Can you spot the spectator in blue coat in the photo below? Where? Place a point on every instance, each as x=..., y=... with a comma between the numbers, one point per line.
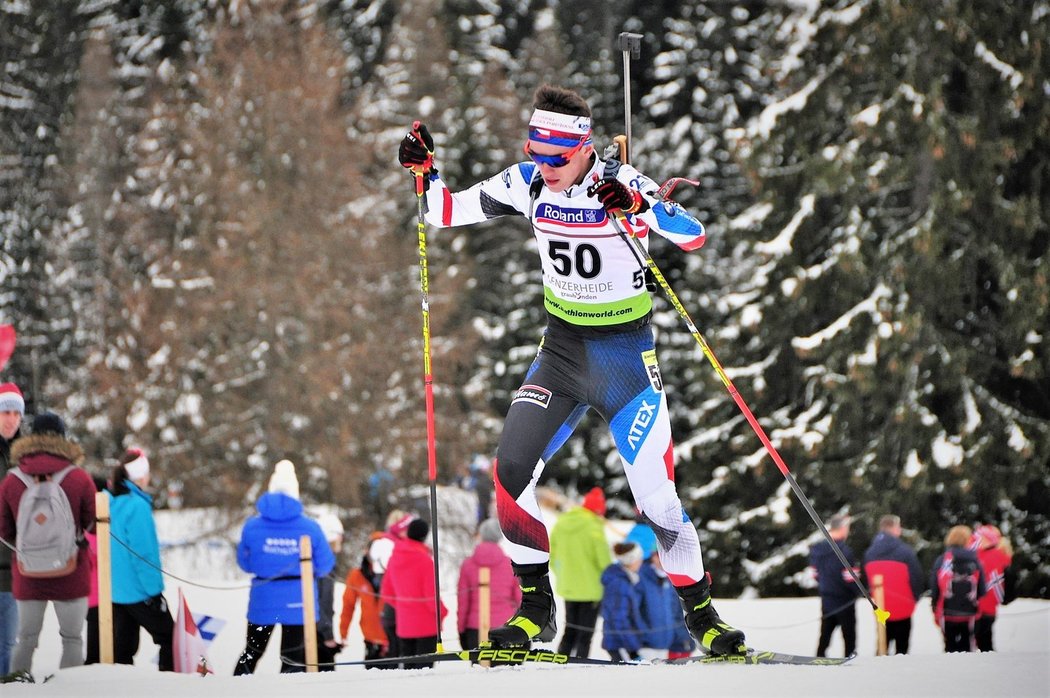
x=621, y=603
x=838, y=591
x=661, y=610
x=269, y=549
x=138, y=583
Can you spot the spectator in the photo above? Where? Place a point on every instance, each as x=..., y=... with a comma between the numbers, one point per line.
x=479, y=481
x=621, y=603
x=956, y=583
x=661, y=611
x=642, y=534
x=903, y=581
x=91, y=655
x=379, y=553
x=328, y=645
x=579, y=554
x=504, y=592
x=44, y=454
x=838, y=591
x=362, y=585
x=269, y=550
x=138, y=582
x=408, y=586
x=12, y=409
x=995, y=555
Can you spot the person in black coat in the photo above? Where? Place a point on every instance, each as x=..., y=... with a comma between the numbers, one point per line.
x=838, y=591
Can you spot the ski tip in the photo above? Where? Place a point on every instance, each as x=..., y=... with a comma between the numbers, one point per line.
x=882, y=616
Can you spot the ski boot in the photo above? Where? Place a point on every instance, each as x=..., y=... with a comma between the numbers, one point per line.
x=714, y=636
x=534, y=619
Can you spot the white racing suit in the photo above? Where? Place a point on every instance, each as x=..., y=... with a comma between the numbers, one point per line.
x=597, y=351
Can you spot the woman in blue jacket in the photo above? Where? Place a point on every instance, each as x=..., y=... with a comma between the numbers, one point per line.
x=269, y=549
x=138, y=584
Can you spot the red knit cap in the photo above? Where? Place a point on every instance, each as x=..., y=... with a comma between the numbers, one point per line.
x=595, y=501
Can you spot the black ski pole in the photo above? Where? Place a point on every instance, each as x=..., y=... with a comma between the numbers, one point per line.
x=623, y=227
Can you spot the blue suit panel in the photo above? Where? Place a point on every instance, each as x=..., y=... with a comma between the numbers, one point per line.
x=269, y=549
x=135, y=554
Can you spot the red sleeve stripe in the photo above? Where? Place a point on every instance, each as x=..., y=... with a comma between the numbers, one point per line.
x=446, y=207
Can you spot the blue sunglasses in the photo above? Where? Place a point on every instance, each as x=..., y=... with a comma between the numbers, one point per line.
x=556, y=160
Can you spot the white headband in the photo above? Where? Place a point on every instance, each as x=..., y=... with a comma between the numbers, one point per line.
x=565, y=123
x=137, y=469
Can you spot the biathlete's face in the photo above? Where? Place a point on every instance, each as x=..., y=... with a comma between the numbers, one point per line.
x=561, y=167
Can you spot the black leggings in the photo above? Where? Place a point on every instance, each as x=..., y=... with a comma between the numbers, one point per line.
x=580, y=619
x=293, y=649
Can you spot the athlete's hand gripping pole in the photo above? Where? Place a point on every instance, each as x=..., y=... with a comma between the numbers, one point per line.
x=619, y=220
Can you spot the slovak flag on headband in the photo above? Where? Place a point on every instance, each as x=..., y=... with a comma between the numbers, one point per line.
x=188, y=647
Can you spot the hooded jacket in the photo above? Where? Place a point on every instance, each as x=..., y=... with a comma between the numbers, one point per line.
x=269, y=549
x=621, y=611
x=408, y=586
x=135, y=553
x=504, y=592
x=661, y=612
x=903, y=580
x=46, y=454
x=579, y=555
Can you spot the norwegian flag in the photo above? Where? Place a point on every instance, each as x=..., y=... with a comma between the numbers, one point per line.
x=189, y=648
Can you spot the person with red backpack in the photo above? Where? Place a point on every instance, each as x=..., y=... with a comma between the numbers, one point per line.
x=46, y=458
x=903, y=581
x=995, y=554
x=956, y=583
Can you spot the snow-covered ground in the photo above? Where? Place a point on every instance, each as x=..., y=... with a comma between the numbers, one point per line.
x=1020, y=667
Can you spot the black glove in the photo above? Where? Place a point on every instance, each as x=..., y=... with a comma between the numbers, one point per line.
x=417, y=150
x=617, y=196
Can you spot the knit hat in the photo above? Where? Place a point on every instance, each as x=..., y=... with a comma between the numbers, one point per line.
x=490, y=531
x=284, y=480
x=11, y=399
x=49, y=423
x=987, y=536
x=136, y=465
x=399, y=526
x=595, y=501
x=627, y=553
x=331, y=526
x=418, y=530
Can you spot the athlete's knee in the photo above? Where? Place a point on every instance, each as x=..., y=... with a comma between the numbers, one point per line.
x=512, y=475
x=662, y=505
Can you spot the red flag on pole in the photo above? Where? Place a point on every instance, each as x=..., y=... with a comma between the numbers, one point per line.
x=7, y=343
x=190, y=651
